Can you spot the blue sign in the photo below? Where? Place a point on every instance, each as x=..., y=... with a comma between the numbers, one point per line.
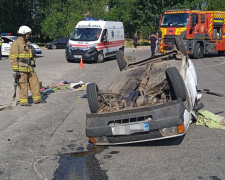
x=146, y=126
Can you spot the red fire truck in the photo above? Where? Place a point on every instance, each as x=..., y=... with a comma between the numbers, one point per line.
x=202, y=31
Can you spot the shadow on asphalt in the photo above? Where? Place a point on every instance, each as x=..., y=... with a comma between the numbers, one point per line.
x=163, y=142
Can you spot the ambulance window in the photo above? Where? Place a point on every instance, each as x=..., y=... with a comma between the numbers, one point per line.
x=105, y=33
x=202, y=18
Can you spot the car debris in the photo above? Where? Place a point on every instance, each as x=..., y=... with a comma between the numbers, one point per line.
x=209, y=119
x=150, y=99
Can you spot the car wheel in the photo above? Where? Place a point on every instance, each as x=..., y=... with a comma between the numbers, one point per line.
x=197, y=51
x=92, y=90
x=180, y=44
x=54, y=47
x=120, y=60
x=100, y=57
x=176, y=83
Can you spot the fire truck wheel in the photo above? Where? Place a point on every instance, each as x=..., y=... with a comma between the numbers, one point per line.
x=198, y=51
x=120, y=60
x=92, y=90
x=221, y=53
x=100, y=57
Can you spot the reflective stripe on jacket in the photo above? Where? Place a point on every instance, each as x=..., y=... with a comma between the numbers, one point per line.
x=20, y=49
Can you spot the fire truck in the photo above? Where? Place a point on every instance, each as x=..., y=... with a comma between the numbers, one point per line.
x=202, y=31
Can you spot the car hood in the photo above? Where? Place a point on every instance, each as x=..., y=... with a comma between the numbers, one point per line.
x=34, y=45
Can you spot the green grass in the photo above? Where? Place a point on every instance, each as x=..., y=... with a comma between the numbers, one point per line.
x=141, y=42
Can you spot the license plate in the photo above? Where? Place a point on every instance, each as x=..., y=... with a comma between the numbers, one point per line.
x=77, y=56
x=130, y=129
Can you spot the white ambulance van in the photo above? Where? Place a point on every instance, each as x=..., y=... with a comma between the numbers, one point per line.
x=94, y=40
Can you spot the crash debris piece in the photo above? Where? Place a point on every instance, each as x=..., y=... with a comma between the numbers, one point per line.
x=209, y=119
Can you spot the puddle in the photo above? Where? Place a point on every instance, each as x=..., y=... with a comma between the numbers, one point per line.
x=80, y=165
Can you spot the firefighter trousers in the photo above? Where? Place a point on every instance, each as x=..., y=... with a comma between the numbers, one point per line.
x=29, y=80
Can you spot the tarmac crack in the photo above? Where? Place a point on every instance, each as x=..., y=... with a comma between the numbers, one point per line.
x=61, y=122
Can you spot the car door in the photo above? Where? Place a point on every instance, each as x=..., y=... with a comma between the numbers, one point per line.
x=65, y=41
x=60, y=43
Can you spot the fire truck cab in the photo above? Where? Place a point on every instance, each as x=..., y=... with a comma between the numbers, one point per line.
x=203, y=31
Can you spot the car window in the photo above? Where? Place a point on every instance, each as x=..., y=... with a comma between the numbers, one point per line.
x=6, y=40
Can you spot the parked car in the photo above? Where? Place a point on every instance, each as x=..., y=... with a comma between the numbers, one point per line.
x=58, y=43
x=151, y=99
x=8, y=42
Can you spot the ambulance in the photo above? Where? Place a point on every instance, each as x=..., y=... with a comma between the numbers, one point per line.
x=94, y=40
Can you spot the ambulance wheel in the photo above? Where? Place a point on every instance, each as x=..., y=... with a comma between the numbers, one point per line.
x=92, y=90
x=221, y=53
x=54, y=47
x=176, y=83
x=69, y=60
x=100, y=57
x=120, y=60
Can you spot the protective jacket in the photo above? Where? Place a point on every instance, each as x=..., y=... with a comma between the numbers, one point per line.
x=21, y=57
x=22, y=60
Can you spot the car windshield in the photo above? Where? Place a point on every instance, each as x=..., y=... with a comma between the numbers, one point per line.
x=175, y=20
x=86, y=34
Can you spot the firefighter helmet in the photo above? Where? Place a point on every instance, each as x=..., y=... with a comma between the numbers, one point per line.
x=24, y=30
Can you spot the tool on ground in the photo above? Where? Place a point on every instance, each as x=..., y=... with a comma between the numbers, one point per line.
x=15, y=84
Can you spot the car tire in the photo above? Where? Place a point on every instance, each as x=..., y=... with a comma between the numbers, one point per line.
x=54, y=46
x=197, y=51
x=176, y=83
x=180, y=44
x=100, y=57
x=92, y=90
x=120, y=60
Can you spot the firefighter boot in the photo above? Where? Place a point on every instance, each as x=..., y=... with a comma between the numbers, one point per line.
x=40, y=102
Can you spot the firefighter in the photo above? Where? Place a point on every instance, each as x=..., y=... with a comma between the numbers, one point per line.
x=23, y=62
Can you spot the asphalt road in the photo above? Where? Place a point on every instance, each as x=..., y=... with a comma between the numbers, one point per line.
x=47, y=141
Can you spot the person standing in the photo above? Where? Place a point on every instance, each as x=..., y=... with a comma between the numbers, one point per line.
x=135, y=42
x=23, y=62
x=153, y=41
x=1, y=41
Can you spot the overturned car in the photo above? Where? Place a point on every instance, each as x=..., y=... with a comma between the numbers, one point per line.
x=151, y=99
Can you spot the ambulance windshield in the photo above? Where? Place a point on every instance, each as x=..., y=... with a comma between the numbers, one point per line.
x=86, y=34
x=175, y=20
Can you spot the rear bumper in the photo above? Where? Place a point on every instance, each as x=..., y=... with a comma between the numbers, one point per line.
x=135, y=125
x=38, y=51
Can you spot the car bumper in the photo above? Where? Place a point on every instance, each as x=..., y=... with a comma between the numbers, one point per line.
x=137, y=125
x=76, y=54
x=38, y=51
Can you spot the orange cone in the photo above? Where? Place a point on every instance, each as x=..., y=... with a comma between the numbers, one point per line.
x=143, y=49
x=81, y=63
